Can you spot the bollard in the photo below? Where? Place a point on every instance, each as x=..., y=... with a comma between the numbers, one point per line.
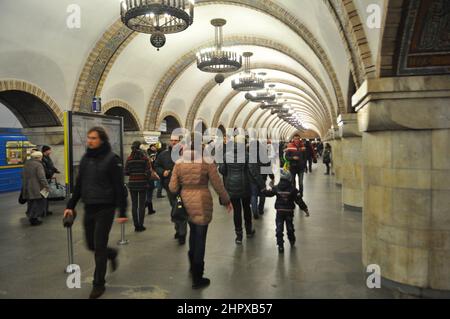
x=69, y=248
x=122, y=240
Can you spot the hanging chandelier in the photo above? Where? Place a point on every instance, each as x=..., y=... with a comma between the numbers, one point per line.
x=262, y=96
x=281, y=110
x=247, y=80
x=218, y=59
x=157, y=17
x=275, y=104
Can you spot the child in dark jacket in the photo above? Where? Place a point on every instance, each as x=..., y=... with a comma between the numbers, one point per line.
x=287, y=196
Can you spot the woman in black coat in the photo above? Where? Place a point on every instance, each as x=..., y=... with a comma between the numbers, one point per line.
x=238, y=174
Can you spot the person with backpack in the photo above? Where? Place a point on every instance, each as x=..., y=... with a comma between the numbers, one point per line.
x=139, y=170
x=327, y=157
x=287, y=196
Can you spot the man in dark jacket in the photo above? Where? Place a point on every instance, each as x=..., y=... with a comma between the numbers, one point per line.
x=310, y=156
x=159, y=183
x=100, y=185
x=296, y=155
x=287, y=196
x=164, y=166
x=238, y=175
x=49, y=168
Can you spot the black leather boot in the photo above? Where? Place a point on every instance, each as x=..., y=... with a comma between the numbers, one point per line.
x=97, y=292
x=151, y=211
x=238, y=239
x=198, y=281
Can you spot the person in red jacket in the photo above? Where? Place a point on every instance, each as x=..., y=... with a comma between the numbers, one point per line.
x=296, y=155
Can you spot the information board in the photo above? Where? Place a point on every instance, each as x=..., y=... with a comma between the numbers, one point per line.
x=77, y=125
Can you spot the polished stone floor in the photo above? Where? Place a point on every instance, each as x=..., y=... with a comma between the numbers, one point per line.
x=326, y=263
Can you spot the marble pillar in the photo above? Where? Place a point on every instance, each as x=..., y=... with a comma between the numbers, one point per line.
x=336, y=147
x=351, y=164
x=405, y=125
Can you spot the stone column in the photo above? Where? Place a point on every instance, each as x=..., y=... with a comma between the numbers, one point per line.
x=336, y=147
x=406, y=181
x=351, y=165
x=53, y=137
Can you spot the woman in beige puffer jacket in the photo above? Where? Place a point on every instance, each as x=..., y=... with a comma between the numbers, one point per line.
x=193, y=178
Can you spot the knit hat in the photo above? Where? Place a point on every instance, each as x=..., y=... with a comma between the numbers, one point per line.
x=136, y=145
x=45, y=148
x=36, y=155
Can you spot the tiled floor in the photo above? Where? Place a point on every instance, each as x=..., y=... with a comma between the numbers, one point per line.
x=325, y=264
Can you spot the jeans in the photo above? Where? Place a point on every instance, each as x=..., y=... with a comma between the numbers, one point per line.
x=150, y=190
x=288, y=219
x=238, y=205
x=300, y=174
x=138, y=199
x=197, y=242
x=254, y=201
x=180, y=225
x=98, y=220
x=310, y=161
x=159, y=185
x=328, y=168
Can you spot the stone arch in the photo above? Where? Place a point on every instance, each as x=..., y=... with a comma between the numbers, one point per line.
x=171, y=114
x=389, y=37
x=315, y=110
x=318, y=99
x=223, y=105
x=222, y=128
x=122, y=108
x=118, y=36
x=354, y=37
x=166, y=83
x=42, y=110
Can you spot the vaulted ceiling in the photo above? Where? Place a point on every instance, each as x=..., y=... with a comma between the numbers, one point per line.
x=300, y=44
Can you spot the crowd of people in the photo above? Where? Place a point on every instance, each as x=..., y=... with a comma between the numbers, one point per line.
x=38, y=173
x=241, y=180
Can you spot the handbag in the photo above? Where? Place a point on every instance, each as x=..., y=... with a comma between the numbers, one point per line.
x=57, y=192
x=179, y=212
x=22, y=200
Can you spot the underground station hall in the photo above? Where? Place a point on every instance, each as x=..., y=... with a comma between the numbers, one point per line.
x=225, y=150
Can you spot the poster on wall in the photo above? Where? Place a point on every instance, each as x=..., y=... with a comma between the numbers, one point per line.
x=76, y=126
x=163, y=126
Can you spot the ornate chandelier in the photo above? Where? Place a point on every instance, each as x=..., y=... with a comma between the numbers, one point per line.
x=218, y=59
x=275, y=104
x=157, y=17
x=264, y=96
x=247, y=80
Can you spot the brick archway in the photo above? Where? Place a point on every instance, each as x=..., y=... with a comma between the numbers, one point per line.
x=124, y=105
x=50, y=113
x=330, y=114
x=117, y=37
